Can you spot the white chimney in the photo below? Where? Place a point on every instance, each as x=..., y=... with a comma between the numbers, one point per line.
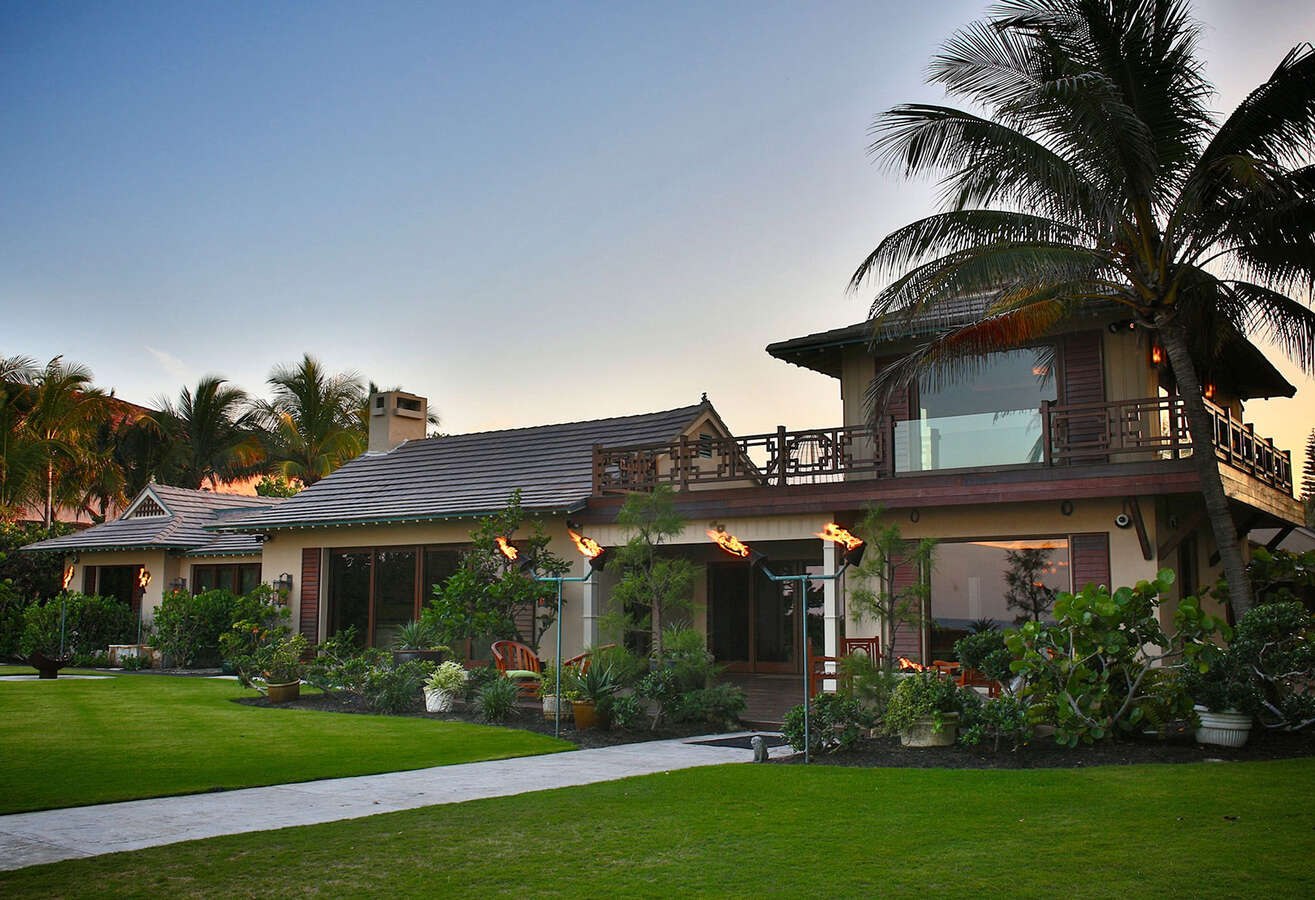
x=396, y=416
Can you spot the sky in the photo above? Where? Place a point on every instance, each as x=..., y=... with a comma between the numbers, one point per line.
x=527, y=213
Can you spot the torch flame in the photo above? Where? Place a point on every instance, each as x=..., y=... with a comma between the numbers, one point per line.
x=908, y=665
x=68, y=577
x=833, y=532
x=586, y=545
x=507, y=549
x=143, y=578
x=729, y=542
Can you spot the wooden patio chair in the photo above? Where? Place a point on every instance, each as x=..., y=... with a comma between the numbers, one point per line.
x=817, y=672
x=972, y=678
x=518, y=662
x=869, y=645
x=946, y=667
x=584, y=660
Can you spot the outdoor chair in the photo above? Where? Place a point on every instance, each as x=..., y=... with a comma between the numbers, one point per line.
x=518, y=662
x=869, y=645
x=817, y=672
x=584, y=660
x=972, y=678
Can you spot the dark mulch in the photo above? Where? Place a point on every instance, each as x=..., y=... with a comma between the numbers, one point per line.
x=1046, y=754
x=524, y=718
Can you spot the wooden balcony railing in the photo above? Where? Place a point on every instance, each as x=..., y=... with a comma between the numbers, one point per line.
x=1073, y=434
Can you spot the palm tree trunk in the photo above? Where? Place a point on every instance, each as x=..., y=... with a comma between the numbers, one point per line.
x=50, y=491
x=1202, y=427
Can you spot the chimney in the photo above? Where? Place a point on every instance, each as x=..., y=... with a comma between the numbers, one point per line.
x=396, y=416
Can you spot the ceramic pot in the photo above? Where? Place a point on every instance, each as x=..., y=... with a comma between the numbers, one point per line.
x=585, y=714
x=439, y=701
x=923, y=732
x=283, y=693
x=1229, y=728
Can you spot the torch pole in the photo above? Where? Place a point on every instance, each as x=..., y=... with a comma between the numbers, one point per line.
x=559, y=580
x=802, y=580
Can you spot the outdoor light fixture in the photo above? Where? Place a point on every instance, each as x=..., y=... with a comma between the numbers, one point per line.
x=178, y=584
x=853, y=553
x=1209, y=391
x=591, y=550
x=284, y=582
x=1157, y=354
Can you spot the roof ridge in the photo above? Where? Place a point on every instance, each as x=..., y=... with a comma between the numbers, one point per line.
x=660, y=412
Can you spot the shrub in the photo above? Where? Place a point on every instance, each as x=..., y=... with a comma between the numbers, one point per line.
x=986, y=652
x=922, y=695
x=448, y=678
x=1267, y=670
x=12, y=607
x=998, y=720
x=33, y=575
x=98, y=660
x=624, y=712
x=1106, y=665
x=189, y=627
x=395, y=687
x=685, y=666
x=719, y=705
x=497, y=699
x=868, y=682
x=370, y=675
x=90, y=625
x=477, y=679
x=275, y=661
x=836, y=722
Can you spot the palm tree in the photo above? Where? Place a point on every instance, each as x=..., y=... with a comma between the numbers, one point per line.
x=312, y=419
x=63, y=414
x=211, y=434
x=1098, y=175
x=20, y=456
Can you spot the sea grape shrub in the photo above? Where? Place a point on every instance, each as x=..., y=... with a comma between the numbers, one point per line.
x=1106, y=666
x=88, y=624
x=836, y=722
x=924, y=695
x=999, y=721
x=1275, y=645
x=986, y=652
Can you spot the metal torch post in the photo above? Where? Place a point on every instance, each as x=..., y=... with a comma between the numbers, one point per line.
x=802, y=580
x=559, y=580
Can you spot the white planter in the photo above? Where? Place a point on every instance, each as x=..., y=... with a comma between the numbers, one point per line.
x=550, y=708
x=924, y=733
x=1224, y=729
x=439, y=701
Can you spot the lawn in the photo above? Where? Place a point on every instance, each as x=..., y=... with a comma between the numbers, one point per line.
x=1199, y=830
x=74, y=742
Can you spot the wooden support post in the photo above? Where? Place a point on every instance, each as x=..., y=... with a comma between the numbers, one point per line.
x=1045, y=434
x=782, y=456
x=684, y=462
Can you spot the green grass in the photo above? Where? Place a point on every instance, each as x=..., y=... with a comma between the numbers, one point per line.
x=76, y=742
x=1201, y=830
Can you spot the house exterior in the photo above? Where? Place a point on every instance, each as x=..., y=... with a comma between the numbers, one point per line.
x=1075, y=447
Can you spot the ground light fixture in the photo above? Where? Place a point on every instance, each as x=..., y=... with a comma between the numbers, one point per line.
x=591, y=550
x=854, y=548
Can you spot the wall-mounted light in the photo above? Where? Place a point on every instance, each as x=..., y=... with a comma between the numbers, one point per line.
x=1209, y=391
x=178, y=584
x=1157, y=354
x=284, y=582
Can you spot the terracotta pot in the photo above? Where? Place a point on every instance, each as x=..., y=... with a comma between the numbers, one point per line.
x=923, y=733
x=283, y=693
x=585, y=714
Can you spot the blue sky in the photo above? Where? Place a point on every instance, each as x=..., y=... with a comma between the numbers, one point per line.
x=528, y=213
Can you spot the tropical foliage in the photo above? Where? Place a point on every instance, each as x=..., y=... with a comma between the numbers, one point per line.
x=1099, y=178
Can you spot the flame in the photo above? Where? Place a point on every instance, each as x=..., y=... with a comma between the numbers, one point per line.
x=833, y=532
x=68, y=577
x=507, y=549
x=909, y=665
x=1157, y=354
x=588, y=546
x=729, y=542
x=1209, y=391
x=143, y=578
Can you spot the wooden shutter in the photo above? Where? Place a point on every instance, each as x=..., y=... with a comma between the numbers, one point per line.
x=908, y=640
x=1090, y=557
x=1084, y=382
x=89, y=581
x=310, y=594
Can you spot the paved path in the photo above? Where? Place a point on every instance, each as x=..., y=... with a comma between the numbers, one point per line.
x=39, y=837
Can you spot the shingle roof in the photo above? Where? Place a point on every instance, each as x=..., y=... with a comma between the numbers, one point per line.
x=465, y=475
x=182, y=529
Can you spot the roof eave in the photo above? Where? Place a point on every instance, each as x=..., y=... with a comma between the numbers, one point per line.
x=262, y=527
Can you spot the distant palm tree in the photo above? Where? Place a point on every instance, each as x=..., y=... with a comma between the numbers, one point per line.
x=64, y=410
x=1099, y=176
x=20, y=455
x=211, y=434
x=312, y=420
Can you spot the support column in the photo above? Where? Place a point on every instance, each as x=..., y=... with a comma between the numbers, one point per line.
x=830, y=607
x=590, y=604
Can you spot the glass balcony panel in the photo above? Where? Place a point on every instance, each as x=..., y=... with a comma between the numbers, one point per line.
x=1007, y=437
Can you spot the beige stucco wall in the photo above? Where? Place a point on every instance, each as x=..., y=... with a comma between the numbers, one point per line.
x=162, y=567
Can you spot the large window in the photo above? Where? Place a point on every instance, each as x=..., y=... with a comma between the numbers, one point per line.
x=377, y=590
x=989, y=417
x=239, y=578
x=993, y=583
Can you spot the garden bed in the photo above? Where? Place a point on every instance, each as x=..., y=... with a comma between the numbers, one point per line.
x=1046, y=754
x=525, y=719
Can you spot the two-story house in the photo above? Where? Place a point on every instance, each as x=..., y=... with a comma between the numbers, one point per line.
x=1075, y=447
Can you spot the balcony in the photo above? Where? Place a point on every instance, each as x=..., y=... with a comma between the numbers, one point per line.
x=1051, y=436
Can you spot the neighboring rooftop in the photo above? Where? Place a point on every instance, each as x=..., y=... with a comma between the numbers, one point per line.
x=465, y=475
x=171, y=518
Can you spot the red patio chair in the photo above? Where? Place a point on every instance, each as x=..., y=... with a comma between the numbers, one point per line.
x=869, y=645
x=518, y=662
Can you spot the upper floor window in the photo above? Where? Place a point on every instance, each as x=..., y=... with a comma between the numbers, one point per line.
x=989, y=416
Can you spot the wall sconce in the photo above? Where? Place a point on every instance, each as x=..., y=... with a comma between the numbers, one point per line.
x=1209, y=391
x=284, y=582
x=1157, y=354
x=178, y=584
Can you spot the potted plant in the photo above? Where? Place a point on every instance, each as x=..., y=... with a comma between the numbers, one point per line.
x=1226, y=699
x=548, y=691
x=924, y=708
x=275, y=667
x=444, y=686
x=591, y=686
x=417, y=640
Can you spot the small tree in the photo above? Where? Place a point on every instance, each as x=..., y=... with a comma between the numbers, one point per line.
x=871, y=594
x=1026, y=592
x=653, y=586
x=483, y=597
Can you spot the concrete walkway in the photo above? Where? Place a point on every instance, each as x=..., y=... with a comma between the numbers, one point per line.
x=27, y=839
